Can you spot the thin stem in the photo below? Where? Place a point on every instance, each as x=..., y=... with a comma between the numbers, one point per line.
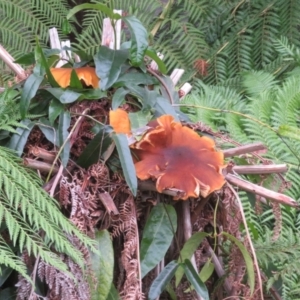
x=249, y=239
x=164, y=85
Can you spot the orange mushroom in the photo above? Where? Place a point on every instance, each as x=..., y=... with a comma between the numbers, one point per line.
x=179, y=158
x=119, y=121
x=87, y=74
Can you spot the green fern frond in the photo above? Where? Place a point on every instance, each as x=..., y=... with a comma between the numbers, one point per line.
x=9, y=259
x=27, y=210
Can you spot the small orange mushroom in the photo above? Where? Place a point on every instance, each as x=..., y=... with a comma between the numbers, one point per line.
x=87, y=74
x=119, y=121
x=179, y=158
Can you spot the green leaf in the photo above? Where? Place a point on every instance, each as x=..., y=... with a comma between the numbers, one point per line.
x=108, y=65
x=118, y=98
x=64, y=96
x=19, y=139
x=195, y=280
x=95, y=149
x=104, y=8
x=161, y=281
x=49, y=131
x=190, y=246
x=207, y=271
x=30, y=88
x=139, y=39
x=103, y=266
x=41, y=59
x=74, y=81
x=157, y=236
x=172, y=294
x=247, y=258
x=55, y=109
x=167, y=89
x=289, y=131
x=92, y=94
x=152, y=54
x=136, y=78
x=163, y=107
x=63, y=126
x=139, y=119
x=8, y=294
x=126, y=161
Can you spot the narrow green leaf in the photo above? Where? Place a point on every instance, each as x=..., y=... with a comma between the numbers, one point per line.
x=30, y=88
x=136, y=78
x=247, y=258
x=157, y=236
x=92, y=94
x=152, y=54
x=95, y=149
x=55, y=109
x=190, y=246
x=49, y=130
x=108, y=65
x=41, y=59
x=139, y=119
x=99, y=6
x=207, y=271
x=118, y=98
x=63, y=126
x=8, y=294
x=172, y=294
x=126, y=161
x=75, y=81
x=19, y=139
x=103, y=265
x=64, y=96
x=195, y=280
x=162, y=280
x=289, y=131
x=163, y=107
x=139, y=39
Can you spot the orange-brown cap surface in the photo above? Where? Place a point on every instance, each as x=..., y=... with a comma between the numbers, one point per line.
x=179, y=158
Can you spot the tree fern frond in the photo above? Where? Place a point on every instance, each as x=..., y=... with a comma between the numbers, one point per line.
x=9, y=259
x=257, y=82
x=27, y=209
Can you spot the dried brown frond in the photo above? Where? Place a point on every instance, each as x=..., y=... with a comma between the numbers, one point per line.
x=128, y=228
x=61, y=286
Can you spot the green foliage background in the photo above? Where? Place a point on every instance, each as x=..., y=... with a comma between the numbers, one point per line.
x=252, y=48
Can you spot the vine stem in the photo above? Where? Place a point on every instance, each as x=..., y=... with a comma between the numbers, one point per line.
x=249, y=239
